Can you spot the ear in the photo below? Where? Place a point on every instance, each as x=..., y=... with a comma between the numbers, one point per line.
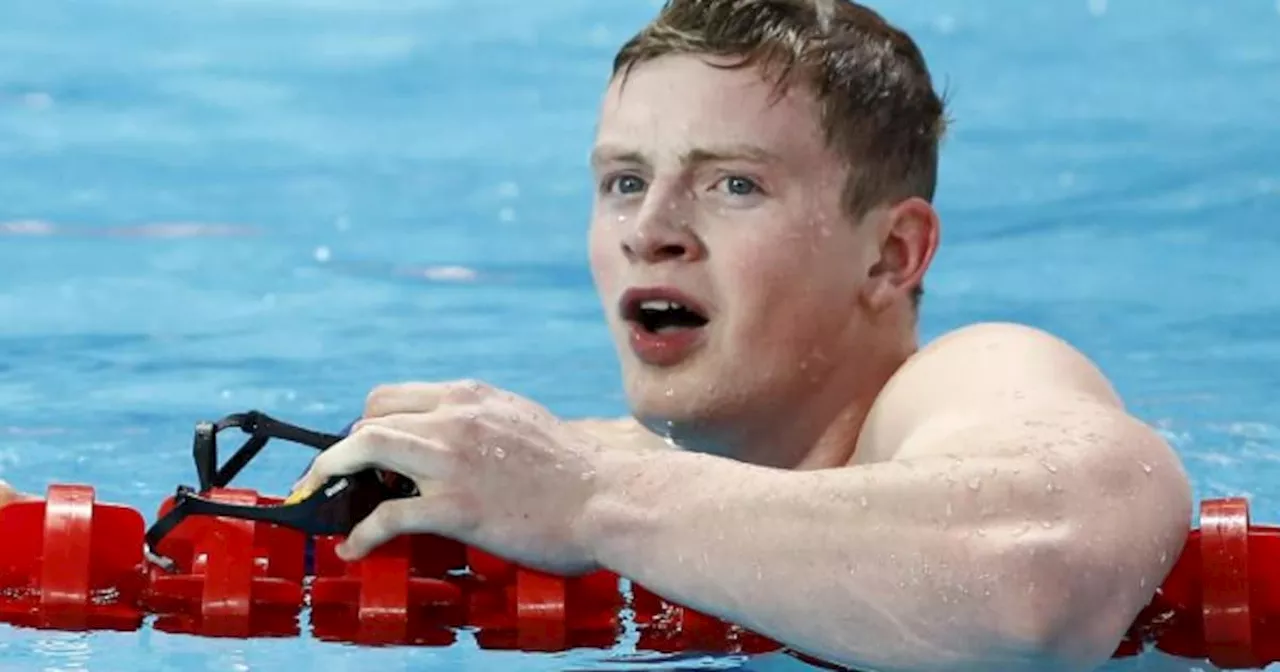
x=908, y=238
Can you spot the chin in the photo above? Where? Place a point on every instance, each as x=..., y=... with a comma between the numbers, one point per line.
x=693, y=413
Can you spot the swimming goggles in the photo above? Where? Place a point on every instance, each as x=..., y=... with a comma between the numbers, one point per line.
x=332, y=509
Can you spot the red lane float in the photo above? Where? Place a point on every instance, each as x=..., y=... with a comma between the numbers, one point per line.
x=232, y=578
x=1221, y=600
x=396, y=595
x=70, y=562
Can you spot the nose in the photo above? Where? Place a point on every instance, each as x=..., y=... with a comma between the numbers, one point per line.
x=656, y=237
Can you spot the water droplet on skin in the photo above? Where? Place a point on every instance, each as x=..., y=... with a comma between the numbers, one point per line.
x=863, y=501
x=1021, y=530
x=1046, y=524
x=1146, y=468
x=499, y=453
x=1049, y=466
x=1164, y=557
x=948, y=509
x=975, y=484
x=670, y=392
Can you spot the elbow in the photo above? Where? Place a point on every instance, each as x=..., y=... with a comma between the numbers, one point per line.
x=1058, y=617
x=1078, y=589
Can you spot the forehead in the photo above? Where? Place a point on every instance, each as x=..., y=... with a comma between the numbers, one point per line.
x=679, y=102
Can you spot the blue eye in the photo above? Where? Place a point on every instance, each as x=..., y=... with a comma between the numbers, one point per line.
x=624, y=184
x=740, y=186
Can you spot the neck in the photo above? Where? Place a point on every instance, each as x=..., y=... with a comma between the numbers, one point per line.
x=817, y=427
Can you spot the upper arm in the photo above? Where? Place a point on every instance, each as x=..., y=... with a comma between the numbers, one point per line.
x=1116, y=484
x=974, y=376
x=1013, y=390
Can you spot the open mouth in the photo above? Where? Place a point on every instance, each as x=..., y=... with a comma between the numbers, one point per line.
x=663, y=315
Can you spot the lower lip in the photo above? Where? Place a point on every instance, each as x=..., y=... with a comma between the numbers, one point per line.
x=664, y=349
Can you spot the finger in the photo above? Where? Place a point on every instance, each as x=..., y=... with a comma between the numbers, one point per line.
x=377, y=447
x=451, y=424
x=418, y=424
x=430, y=512
x=420, y=397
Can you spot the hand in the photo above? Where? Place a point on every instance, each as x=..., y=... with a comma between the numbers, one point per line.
x=8, y=495
x=494, y=470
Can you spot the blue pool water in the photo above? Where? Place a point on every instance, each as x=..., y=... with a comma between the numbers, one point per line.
x=277, y=204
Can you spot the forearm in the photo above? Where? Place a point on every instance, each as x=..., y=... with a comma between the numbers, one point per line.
x=936, y=564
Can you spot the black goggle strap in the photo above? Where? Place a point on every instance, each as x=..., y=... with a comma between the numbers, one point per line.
x=320, y=513
x=261, y=428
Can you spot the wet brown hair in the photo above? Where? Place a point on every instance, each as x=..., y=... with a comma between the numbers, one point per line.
x=876, y=98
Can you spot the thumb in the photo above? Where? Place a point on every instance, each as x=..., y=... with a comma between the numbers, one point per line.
x=423, y=513
x=389, y=520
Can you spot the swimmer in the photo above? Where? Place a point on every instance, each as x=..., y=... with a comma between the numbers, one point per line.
x=795, y=461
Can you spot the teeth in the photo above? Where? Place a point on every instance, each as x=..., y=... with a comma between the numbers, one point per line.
x=658, y=304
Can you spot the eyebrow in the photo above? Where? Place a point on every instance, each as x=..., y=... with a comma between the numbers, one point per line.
x=699, y=155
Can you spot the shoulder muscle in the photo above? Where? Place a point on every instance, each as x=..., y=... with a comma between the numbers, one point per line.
x=975, y=376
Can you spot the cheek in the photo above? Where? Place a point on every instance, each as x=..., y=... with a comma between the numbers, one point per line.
x=789, y=293
x=602, y=255
x=771, y=274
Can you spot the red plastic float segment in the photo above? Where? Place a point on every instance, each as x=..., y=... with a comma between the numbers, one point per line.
x=70, y=562
x=233, y=577
x=668, y=627
x=1221, y=600
x=521, y=608
x=1224, y=558
x=1264, y=580
x=398, y=594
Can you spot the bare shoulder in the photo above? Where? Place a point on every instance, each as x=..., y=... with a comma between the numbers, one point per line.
x=984, y=376
x=1012, y=394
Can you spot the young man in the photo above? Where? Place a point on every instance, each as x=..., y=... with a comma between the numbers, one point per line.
x=796, y=464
